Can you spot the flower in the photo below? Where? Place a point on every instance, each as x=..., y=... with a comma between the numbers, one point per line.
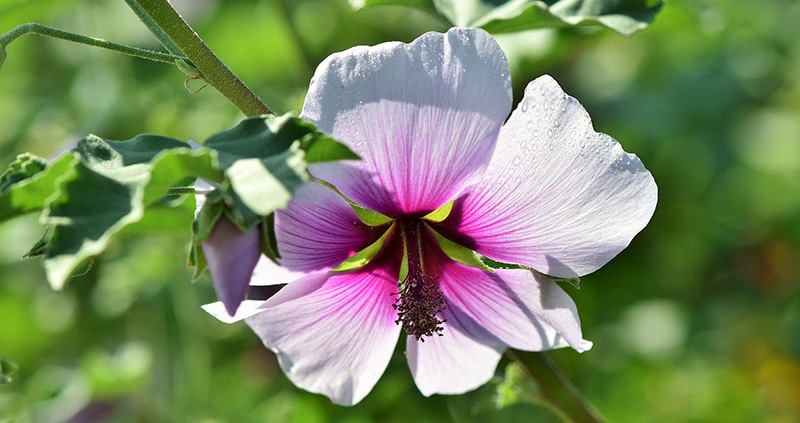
x=450, y=183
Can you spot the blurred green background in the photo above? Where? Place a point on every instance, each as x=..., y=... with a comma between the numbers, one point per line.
x=698, y=321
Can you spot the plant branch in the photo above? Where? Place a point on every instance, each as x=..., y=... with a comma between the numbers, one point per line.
x=36, y=28
x=163, y=38
x=556, y=389
x=211, y=69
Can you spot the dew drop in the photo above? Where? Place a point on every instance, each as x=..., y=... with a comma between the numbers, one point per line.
x=524, y=106
x=516, y=161
x=529, y=125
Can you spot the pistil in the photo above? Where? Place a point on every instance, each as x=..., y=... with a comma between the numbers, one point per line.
x=419, y=299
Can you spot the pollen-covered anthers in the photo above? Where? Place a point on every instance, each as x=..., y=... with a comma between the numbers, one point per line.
x=418, y=303
x=419, y=300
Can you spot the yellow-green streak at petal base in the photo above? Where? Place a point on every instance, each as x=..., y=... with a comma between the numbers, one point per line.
x=369, y=217
x=361, y=258
x=460, y=253
x=441, y=213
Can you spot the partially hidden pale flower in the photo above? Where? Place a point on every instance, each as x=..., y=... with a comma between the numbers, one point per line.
x=453, y=184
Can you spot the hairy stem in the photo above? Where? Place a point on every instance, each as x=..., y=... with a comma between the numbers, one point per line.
x=556, y=389
x=36, y=28
x=162, y=36
x=211, y=69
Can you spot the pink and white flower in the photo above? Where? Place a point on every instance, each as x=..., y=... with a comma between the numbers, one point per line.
x=541, y=190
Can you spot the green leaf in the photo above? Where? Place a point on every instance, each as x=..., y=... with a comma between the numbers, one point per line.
x=510, y=396
x=104, y=189
x=25, y=166
x=112, y=186
x=265, y=161
x=27, y=184
x=322, y=148
x=623, y=16
x=7, y=368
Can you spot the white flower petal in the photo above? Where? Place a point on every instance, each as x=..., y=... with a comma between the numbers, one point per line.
x=521, y=308
x=558, y=196
x=462, y=359
x=423, y=117
x=333, y=333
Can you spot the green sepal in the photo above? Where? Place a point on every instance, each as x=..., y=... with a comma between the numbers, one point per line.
x=460, y=253
x=202, y=226
x=500, y=265
x=363, y=257
x=370, y=217
x=440, y=214
x=574, y=282
x=269, y=242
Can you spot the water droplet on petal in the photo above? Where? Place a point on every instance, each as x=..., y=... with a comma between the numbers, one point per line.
x=529, y=125
x=524, y=106
x=517, y=160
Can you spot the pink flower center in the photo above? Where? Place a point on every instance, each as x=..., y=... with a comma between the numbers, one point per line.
x=419, y=299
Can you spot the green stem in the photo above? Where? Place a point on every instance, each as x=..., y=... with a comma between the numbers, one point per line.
x=211, y=69
x=163, y=38
x=182, y=191
x=556, y=389
x=35, y=28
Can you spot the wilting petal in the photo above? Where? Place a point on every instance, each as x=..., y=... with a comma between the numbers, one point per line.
x=462, y=359
x=231, y=255
x=423, y=117
x=267, y=277
x=319, y=230
x=558, y=196
x=333, y=333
